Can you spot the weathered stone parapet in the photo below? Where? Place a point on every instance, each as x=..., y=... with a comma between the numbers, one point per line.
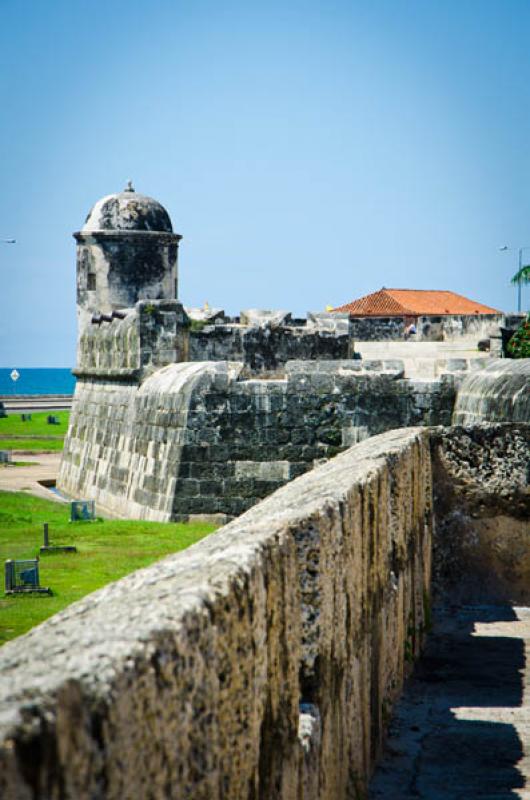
x=264, y=341
x=126, y=251
x=260, y=663
x=134, y=341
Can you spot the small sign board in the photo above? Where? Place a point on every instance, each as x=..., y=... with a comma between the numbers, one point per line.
x=22, y=576
x=82, y=510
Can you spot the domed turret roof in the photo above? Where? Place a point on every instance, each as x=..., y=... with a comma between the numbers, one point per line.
x=128, y=211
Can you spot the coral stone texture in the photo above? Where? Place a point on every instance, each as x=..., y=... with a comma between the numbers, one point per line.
x=482, y=502
x=429, y=327
x=260, y=663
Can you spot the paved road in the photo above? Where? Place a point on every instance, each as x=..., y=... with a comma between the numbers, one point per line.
x=40, y=402
x=45, y=467
x=462, y=729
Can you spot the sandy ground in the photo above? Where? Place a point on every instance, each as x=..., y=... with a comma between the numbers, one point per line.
x=462, y=727
x=45, y=466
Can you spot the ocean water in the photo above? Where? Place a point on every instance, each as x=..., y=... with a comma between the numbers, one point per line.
x=37, y=381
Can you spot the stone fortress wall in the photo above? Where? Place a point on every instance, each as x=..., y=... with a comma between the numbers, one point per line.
x=263, y=662
x=200, y=438
x=179, y=413
x=259, y=663
x=133, y=341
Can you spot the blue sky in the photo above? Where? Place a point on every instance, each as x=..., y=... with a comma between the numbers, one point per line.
x=308, y=152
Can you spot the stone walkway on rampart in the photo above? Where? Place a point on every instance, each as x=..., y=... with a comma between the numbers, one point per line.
x=462, y=728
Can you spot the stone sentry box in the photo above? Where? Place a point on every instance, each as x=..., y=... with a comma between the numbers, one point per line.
x=130, y=321
x=126, y=251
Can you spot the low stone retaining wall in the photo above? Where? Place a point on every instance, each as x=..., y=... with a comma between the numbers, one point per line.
x=260, y=663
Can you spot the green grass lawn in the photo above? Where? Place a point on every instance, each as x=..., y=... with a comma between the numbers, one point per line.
x=35, y=445
x=37, y=426
x=107, y=550
x=12, y=425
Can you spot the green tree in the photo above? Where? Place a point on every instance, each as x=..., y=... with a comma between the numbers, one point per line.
x=519, y=344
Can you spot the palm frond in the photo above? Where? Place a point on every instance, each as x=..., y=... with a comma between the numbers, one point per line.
x=523, y=276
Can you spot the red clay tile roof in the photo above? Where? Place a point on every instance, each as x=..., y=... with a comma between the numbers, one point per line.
x=413, y=303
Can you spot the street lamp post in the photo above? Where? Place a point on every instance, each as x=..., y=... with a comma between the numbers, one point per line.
x=519, y=271
x=519, y=281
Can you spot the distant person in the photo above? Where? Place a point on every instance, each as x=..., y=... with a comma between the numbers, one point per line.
x=410, y=330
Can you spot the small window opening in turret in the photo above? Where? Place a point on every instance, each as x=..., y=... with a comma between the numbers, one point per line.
x=91, y=284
